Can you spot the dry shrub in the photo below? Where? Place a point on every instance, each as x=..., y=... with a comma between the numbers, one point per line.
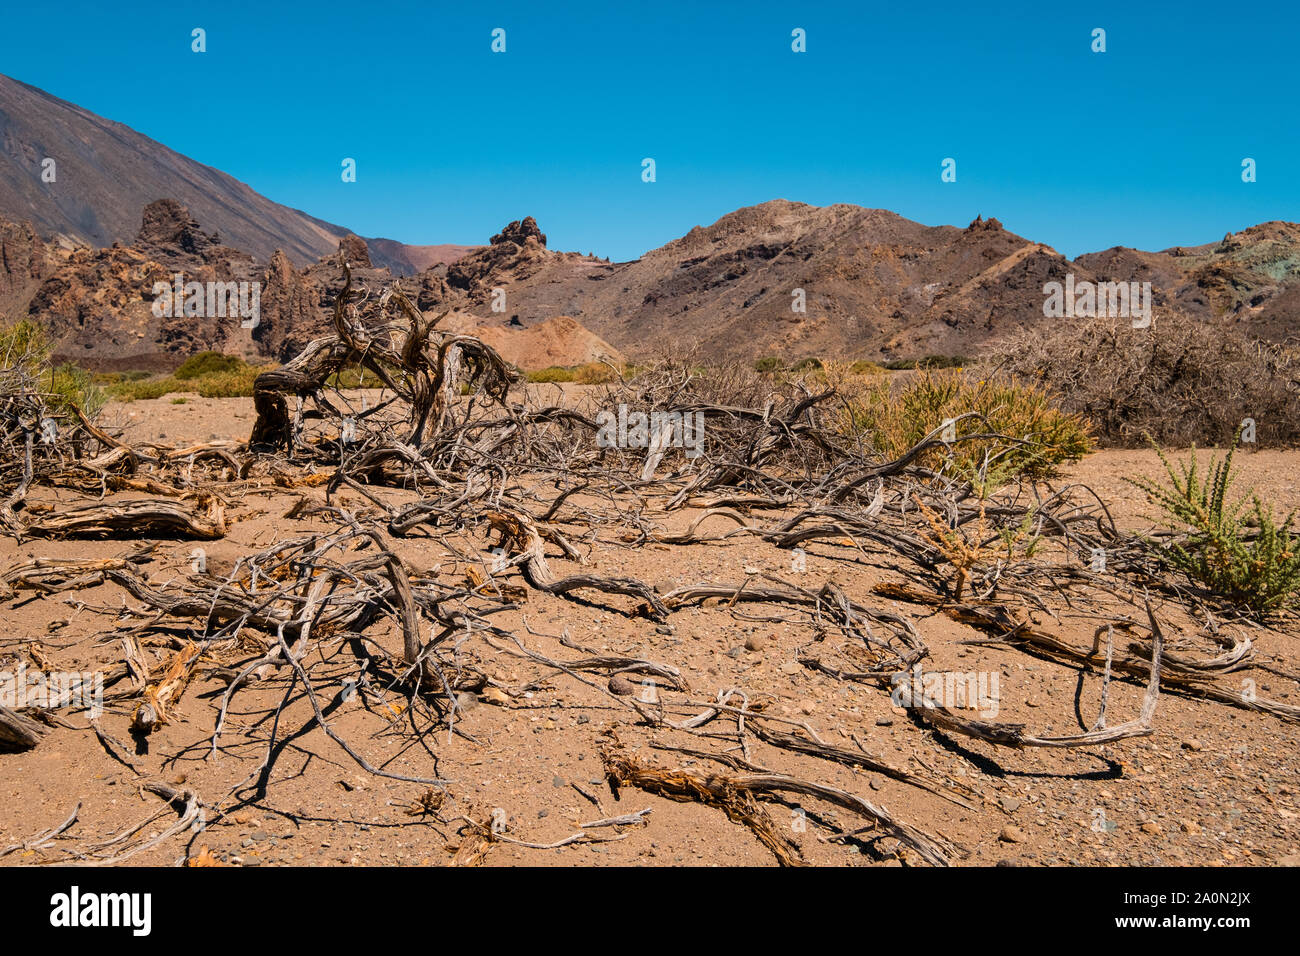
x=683, y=380
x=1182, y=381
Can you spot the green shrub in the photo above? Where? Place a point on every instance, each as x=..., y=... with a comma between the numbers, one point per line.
x=942, y=361
x=556, y=373
x=1037, y=435
x=769, y=363
x=24, y=345
x=234, y=384
x=1237, y=551
x=218, y=380
x=25, y=351
x=355, y=377
x=68, y=385
x=593, y=373
x=208, y=363
x=147, y=388
x=805, y=365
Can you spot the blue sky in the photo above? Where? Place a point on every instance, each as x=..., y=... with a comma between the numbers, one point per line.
x=1141, y=145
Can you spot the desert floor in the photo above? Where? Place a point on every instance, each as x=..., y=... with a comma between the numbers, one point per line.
x=1214, y=784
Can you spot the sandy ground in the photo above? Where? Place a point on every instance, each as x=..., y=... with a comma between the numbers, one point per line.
x=1213, y=785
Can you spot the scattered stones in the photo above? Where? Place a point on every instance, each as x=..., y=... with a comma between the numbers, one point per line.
x=621, y=686
x=495, y=695
x=1012, y=834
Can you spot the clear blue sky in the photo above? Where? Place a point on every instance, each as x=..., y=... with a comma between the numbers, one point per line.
x=1139, y=146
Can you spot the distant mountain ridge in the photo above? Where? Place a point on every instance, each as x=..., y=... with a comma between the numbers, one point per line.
x=778, y=279
x=870, y=283
x=105, y=173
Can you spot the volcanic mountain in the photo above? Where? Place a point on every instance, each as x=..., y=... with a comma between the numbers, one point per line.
x=792, y=280
x=778, y=279
x=103, y=173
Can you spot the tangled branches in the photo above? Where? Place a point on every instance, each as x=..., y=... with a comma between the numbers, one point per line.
x=519, y=498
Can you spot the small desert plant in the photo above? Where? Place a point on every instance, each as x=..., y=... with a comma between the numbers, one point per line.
x=962, y=548
x=1237, y=550
x=942, y=361
x=131, y=391
x=68, y=385
x=236, y=384
x=968, y=546
x=769, y=363
x=556, y=373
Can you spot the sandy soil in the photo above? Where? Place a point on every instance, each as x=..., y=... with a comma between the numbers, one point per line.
x=1213, y=785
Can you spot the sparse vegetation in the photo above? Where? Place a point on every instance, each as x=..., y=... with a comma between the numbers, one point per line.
x=209, y=374
x=929, y=361
x=593, y=373
x=355, y=378
x=1182, y=381
x=1237, y=550
x=25, y=351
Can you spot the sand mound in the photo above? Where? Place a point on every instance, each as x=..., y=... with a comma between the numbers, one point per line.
x=558, y=341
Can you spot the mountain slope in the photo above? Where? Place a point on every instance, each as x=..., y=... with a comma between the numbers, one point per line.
x=105, y=173
x=874, y=285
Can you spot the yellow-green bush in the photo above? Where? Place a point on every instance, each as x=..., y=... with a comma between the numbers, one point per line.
x=208, y=363
x=210, y=374
x=25, y=351
x=1037, y=435
x=355, y=377
x=593, y=373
